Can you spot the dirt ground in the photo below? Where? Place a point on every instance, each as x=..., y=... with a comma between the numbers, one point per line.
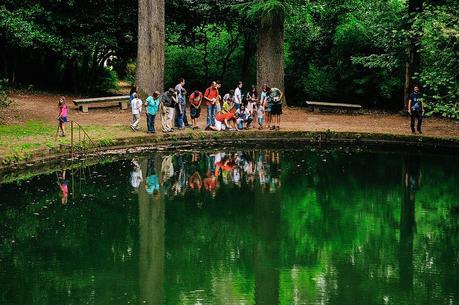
x=44, y=108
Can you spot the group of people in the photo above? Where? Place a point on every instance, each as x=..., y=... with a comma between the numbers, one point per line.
x=174, y=174
x=236, y=110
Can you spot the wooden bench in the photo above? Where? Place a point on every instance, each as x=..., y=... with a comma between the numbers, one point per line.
x=83, y=104
x=316, y=106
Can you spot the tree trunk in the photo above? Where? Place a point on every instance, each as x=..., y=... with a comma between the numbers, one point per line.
x=413, y=57
x=270, y=52
x=150, y=48
x=248, y=52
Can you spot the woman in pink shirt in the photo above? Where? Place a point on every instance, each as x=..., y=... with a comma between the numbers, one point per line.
x=62, y=117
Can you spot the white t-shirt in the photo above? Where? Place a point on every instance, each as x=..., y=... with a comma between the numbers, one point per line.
x=136, y=177
x=237, y=96
x=136, y=106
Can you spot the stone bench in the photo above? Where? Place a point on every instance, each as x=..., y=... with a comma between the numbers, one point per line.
x=316, y=106
x=83, y=104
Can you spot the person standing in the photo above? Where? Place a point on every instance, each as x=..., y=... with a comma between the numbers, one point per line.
x=62, y=116
x=131, y=93
x=179, y=88
x=238, y=95
x=152, y=105
x=168, y=102
x=218, y=105
x=195, y=107
x=211, y=96
x=275, y=97
x=180, y=107
x=415, y=109
x=264, y=103
x=136, y=108
x=252, y=98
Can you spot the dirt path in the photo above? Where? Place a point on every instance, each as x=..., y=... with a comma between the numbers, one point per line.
x=44, y=108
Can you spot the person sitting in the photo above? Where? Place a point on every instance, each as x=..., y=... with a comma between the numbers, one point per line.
x=243, y=116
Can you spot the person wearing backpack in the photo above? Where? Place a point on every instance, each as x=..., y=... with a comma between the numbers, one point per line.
x=415, y=109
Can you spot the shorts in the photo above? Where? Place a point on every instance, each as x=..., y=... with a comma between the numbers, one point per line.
x=63, y=119
x=195, y=112
x=276, y=109
x=268, y=108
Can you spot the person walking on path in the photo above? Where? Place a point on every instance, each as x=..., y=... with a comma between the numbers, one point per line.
x=62, y=116
x=136, y=108
x=211, y=96
x=238, y=95
x=152, y=106
x=415, y=109
x=179, y=88
x=195, y=107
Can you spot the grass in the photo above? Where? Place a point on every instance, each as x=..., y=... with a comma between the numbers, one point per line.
x=18, y=143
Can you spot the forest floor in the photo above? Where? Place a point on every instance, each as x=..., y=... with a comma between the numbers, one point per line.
x=30, y=123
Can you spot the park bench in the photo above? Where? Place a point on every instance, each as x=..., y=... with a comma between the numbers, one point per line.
x=84, y=103
x=316, y=106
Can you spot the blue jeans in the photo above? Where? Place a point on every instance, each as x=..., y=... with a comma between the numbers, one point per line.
x=260, y=121
x=180, y=119
x=211, y=111
x=151, y=122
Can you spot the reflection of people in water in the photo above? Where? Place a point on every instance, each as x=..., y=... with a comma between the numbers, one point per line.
x=411, y=184
x=412, y=176
x=210, y=182
x=136, y=175
x=152, y=183
x=63, y=187
x=195, y=182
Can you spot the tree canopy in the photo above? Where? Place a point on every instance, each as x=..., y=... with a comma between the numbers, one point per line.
x=353, y=51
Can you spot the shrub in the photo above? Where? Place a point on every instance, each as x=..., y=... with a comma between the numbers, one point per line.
x=4, y=98
x=108, y=81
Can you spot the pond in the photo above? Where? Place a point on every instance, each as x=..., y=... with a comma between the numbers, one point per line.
x=310, y=226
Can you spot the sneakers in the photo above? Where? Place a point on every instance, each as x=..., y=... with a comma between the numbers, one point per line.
x=133, y=128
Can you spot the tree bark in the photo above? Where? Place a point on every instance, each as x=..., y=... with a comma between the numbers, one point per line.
x=413, y=62
x=270, y=52
x=150, y=48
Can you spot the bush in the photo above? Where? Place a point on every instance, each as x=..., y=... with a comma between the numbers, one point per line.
x=107, y=82
x=130, y=75
x=446, y=110
x=4, y=98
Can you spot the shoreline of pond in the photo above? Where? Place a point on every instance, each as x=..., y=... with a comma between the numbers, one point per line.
x=45, y=160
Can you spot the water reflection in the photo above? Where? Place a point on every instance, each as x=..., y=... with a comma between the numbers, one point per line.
x=207, y=171
x=236, y=227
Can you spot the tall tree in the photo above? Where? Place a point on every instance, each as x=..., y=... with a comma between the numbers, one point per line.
x=270, y=42
x=413, y=62
x=150, y=48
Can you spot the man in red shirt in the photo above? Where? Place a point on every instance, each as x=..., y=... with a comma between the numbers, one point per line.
x=210, y=96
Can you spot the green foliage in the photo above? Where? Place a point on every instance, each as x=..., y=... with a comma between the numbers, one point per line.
x=439, y=76
x=4, y=98
x=107, y=81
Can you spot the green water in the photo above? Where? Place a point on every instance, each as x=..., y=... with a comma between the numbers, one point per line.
x=256, y=227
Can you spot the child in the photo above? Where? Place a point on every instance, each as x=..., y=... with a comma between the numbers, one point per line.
x=243, y=117
x=260, y=114
x=151, y=106
x=62, y=117
x=136, y=108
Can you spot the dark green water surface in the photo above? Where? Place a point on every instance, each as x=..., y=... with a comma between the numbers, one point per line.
x=254, y=227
